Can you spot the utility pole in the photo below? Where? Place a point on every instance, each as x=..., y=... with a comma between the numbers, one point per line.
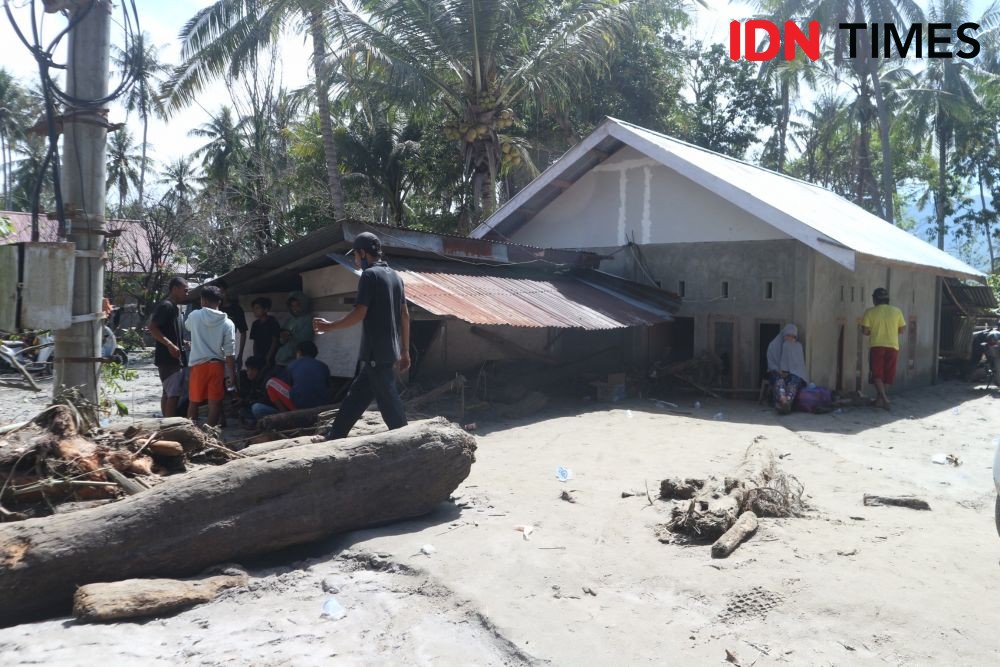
x=84, y=165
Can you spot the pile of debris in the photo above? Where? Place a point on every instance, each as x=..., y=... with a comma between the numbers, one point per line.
x=727, y=511
x=53, y=464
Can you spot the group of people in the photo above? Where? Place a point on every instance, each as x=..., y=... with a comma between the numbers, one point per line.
x=197, y=356
x=882, y=323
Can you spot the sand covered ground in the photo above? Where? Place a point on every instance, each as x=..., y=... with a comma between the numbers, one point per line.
x=845, y=585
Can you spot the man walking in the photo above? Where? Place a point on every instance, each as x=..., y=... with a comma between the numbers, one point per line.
x=165, y=326
x=883, y=324
x=212, y=342
x=385, y=342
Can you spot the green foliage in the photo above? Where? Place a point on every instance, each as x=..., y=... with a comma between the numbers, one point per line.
x=114, y=378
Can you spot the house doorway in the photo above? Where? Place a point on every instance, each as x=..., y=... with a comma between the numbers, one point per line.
x=722, y=337
x=681, y=339
x=766, y=332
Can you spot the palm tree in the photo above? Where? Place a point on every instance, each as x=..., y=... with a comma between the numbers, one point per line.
x=226, y=38
x=944, y=102
x=222, y=148
x=142, y=60
x=14, y=119
x=787, y=77
x=379, y=155
x=481, y=58
x=832, y=13
x=180, y=176
x=124, y=165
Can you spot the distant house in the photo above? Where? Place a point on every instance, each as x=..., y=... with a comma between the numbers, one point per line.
x=471, y=301
x=131, y=254
x=748, y=250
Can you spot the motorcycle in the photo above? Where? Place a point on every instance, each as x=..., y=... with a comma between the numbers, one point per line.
x=35, y=354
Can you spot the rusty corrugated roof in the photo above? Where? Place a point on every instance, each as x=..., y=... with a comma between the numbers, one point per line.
x=500, y=297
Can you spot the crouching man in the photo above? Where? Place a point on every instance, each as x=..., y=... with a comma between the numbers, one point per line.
x=211, y=357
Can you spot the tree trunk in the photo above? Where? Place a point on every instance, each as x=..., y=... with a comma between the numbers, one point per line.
x=942, y=184
x=986, y=224
x=142, y=167
x=244, y=508
x=326, y=122
x=888, y=183
x=783, y=125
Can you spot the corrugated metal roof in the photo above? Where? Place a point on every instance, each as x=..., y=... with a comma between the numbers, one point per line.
x=976, y=298
x=499, y=296
x=824, y=221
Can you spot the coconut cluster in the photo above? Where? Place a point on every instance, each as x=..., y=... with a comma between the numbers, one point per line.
x=477, y=125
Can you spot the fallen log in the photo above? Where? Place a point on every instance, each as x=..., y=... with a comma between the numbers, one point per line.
x=744, y=527
x=897, y=501
x=138, y=598
x=173, y=429
x=286, y=421
x=249, y=506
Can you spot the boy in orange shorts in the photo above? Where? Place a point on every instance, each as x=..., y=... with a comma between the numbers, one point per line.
x=212, y=345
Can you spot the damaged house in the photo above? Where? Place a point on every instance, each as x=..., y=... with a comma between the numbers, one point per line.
x=471, y=302
x=748, y=250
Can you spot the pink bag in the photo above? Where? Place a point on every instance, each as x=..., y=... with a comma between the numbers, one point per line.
x=815, y=399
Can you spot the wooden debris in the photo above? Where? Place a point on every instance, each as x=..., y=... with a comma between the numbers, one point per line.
x=249, y=506
x=130, y=487
x=678, y=489
x=897, y=501
x=745, y=527
x=138, y=598
x=288, y=421
x=758, y=485
x=166, y=448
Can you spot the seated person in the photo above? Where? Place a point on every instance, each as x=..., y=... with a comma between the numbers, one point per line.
x=253, y=389
x=286, y=349
x=306, y=383
x=786, y=368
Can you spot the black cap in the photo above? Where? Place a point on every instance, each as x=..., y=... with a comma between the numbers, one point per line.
x=880, y=293
x=368, y=242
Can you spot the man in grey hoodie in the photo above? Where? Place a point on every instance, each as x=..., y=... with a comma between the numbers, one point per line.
x=212, y=343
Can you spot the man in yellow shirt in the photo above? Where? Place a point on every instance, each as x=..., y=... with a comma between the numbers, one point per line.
x=883, y=324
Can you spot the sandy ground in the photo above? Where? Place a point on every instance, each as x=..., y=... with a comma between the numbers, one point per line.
x=846, y=585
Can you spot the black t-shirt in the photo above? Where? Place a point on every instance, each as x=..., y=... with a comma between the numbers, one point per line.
x=167, y=317
x=263, y=333
x=236, y=314
x=381, y=290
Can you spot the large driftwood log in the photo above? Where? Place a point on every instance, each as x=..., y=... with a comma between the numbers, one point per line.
x=249, y=506
x=744, y=527
x=138, y=598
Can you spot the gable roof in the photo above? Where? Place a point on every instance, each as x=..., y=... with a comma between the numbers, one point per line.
x=815, y=216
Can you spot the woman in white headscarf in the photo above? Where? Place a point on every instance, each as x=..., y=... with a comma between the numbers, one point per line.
x=786, y=368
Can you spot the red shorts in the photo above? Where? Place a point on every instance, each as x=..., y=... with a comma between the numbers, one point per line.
x=207, y=382
x=882, y=362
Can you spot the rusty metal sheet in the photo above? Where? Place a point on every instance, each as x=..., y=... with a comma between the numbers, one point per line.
x=486, y=297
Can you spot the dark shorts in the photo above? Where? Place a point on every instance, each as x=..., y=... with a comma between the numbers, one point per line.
x=882, y=362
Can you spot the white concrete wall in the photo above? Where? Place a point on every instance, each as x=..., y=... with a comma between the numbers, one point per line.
x=631, y=196
x=841, y=297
